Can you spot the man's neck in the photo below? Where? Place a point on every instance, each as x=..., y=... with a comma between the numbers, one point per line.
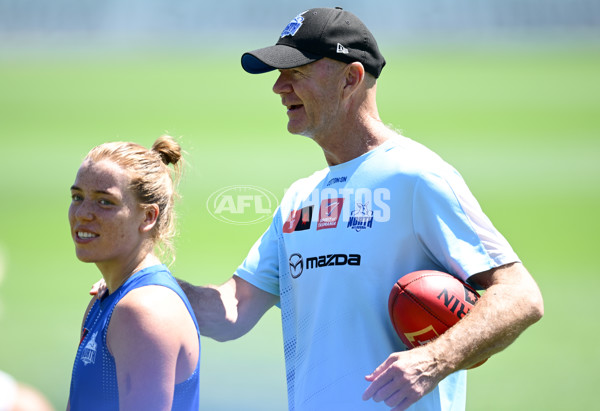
x=353, y=142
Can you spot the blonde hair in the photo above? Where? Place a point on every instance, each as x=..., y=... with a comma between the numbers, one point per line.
x=152, y=181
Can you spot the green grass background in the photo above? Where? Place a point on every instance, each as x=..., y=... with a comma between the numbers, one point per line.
x=521, y=124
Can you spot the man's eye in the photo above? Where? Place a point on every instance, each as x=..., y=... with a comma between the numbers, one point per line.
x=76, y=197
x=105, y=202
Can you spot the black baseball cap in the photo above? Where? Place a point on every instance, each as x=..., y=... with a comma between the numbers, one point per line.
x=314, y=34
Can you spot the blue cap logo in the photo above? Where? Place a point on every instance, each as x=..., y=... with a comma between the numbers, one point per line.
x=293, y=26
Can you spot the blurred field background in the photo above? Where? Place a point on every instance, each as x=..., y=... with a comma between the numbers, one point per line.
x=508, y=92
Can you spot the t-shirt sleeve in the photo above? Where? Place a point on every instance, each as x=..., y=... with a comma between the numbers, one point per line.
x=261, y=266
x=453, y=229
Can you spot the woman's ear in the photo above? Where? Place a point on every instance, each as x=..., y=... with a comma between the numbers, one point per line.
x=151, y=212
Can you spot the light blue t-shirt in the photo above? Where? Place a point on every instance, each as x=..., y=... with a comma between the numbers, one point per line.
x=339, y=241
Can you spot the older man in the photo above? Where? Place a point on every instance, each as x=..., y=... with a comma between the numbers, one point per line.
x=385, y=206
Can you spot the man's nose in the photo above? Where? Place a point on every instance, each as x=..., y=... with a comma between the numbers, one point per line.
x=282, y=84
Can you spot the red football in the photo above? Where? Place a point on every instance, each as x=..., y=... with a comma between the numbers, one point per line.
x=424, y=304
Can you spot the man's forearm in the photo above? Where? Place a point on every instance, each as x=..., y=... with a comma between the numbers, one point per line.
x=228, y=311
x=503, y=312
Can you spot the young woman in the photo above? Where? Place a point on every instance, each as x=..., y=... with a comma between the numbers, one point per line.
x=140, y=347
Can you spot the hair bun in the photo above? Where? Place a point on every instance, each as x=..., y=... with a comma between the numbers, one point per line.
x=168, y=149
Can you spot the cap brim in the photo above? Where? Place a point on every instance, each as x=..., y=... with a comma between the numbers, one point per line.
x=276, y=57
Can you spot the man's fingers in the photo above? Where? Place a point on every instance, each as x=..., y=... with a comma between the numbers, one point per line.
x=98, y=289
x=382, y=367
x=389, y=390
x=379, y=378
x=389, y=384
x=400, y=381
x=398, y=400
x=386, y=391
x=402, y=405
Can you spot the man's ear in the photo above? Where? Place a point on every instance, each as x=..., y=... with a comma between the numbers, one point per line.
x=151, y=212
x=355, y=75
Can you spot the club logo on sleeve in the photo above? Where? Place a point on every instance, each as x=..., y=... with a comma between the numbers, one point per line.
x=330, y=212
x=361, y=217
x=298, y=220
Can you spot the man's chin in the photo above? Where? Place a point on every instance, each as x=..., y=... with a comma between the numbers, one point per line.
x=299, y=131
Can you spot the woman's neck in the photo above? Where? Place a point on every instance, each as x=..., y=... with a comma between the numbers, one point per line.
x=116, y=274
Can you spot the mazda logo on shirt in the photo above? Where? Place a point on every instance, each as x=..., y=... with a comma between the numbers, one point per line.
x=297, y=262
x=296, y=265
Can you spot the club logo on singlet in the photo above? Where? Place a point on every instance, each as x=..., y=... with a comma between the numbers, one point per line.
x=361, y=218
x=88, y=356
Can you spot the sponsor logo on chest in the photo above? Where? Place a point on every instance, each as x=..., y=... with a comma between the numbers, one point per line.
x=330, y=212
x=351, y=208
x=299, y=264
x=299, y=220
